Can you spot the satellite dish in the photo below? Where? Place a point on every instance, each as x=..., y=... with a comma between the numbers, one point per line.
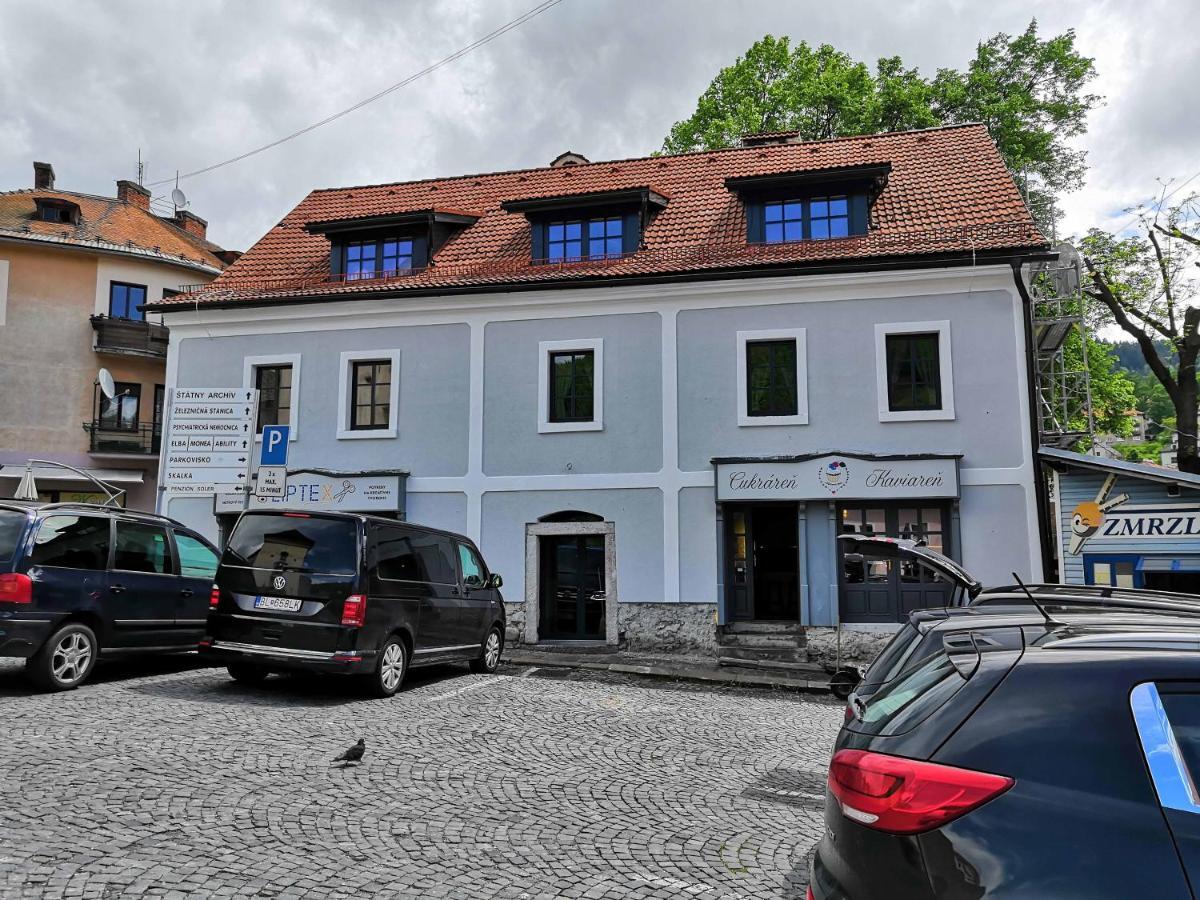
x=107, y=386
x=179, y=199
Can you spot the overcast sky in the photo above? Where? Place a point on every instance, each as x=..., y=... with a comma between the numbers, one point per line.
x=84, y=85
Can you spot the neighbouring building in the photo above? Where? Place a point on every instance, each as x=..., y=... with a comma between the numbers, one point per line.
x=1124, y=524
x=656, y=390
x=75, y=272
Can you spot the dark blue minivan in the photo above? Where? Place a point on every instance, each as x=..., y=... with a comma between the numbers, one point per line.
x=80, y=581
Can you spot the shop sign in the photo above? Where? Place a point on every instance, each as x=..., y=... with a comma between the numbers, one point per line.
x=321, y=492
x=1091, y=523
x=839, y=476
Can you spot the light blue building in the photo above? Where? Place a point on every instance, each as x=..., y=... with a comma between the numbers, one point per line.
x=655, y=390
x=1123, y=524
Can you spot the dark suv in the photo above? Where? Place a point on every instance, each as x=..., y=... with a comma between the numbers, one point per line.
x=79, y=581
x=351, y=594
x=1041, y=760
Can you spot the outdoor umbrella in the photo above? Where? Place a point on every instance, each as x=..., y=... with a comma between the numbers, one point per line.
x=27, y=488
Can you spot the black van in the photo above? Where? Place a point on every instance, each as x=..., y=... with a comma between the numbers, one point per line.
x=351, y=594
x=79, y=581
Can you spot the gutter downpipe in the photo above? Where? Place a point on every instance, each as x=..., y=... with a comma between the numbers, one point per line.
x=1039, y=474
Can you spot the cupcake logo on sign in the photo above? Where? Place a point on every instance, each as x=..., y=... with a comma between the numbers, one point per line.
x=834, y=475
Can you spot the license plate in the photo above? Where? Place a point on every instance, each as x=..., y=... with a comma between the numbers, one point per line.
x=282, y=604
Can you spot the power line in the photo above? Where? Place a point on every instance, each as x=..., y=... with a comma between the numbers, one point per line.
x=1164, y=199
x=457, y=54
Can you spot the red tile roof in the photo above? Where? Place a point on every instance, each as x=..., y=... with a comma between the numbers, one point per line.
x=106, y=223
x=948, y=193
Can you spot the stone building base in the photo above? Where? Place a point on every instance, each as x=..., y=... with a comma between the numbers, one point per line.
x=859, y=646
x=687, y=628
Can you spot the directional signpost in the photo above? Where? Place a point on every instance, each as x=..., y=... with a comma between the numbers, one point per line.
x=272, y=462
x=210, y=441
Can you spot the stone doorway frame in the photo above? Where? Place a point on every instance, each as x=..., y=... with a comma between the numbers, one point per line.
x=536, y=530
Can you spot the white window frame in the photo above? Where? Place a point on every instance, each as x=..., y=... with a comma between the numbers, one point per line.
x=545, y=348
x=250, y=363
x=344, y=433
x=800, y=336
x=945, y=371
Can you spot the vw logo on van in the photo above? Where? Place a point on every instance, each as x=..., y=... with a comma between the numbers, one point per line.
x=279, y=582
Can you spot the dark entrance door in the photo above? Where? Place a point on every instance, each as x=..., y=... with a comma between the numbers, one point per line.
x=880, y=590
x=763, y=561
x=572, y=587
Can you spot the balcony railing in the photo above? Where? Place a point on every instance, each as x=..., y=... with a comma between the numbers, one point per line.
x=128, y=336
x=142, y=440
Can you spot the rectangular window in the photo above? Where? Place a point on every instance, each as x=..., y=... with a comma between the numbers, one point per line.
x=771, y=378
x=315, y=544
x=572, y=376
x=564, y=241
x=371, y=384
x=807, y=219
x=473, y=572
x=274, y=385
x=397, y=256
x=913, y=372
x=121, y=412
x=196, y=560
x=783, y=221
x=359, y=260
x=142, y=548
x=125, y=300
x=828, y=217
x=599, y=238
x=73, y=542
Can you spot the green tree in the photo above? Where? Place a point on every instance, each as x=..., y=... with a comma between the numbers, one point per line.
x=1148, y=286
x=1029, y=92
x=1112, y=391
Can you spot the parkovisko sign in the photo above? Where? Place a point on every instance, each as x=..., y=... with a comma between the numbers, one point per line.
x=841, y=476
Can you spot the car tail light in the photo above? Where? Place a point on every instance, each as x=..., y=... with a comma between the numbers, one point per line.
x=214, y=599
x=16, y=587
x=354, y=610
x=907, y=796
x=809, y=895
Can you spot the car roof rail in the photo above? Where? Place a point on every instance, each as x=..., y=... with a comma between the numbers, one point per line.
x=1125, y=640
x=100, y=507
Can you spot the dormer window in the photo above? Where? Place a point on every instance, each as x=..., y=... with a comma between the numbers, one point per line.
x=587, y=227
x=385, y=258
x=818, y=218
x=809, y=206
x=601, y=238
x=57, y=210
x=390, y=246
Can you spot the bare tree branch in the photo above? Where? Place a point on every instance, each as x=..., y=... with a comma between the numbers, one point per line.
x=1176, y=232
x=1105, y=295
x=1165, y=270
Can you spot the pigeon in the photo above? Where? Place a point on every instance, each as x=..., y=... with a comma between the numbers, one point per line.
x=354, y=754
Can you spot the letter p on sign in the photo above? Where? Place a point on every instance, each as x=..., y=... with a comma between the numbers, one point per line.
x=274, y=445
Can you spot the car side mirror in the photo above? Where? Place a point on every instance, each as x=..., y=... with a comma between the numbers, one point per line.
x=495, y=581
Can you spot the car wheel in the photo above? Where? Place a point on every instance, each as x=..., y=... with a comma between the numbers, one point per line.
x=390, y=670
x=66, y=660
x=489, y=659
x=247, y=673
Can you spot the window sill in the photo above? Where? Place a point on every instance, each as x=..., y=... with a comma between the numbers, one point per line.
x=345, y=434
x=916, y=415
x=745, y=421
x=559, y=427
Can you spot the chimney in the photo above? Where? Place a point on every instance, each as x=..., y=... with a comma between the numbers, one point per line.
x=191, y=223
x=43, y=176
x=134, y=194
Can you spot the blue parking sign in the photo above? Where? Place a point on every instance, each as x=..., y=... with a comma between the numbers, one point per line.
x=274, y=445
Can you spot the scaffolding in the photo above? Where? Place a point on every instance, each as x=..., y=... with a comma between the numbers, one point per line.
x=1064, y=388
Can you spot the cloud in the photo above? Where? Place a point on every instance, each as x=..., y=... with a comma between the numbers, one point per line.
x=86, y=85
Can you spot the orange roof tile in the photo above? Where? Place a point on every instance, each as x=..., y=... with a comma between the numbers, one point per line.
x=948, y=193
x=108, y=224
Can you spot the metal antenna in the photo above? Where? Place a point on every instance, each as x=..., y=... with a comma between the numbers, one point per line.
x=1050, y=620
x=141, y=167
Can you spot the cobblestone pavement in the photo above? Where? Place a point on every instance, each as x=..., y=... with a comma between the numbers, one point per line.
x=518, y=785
